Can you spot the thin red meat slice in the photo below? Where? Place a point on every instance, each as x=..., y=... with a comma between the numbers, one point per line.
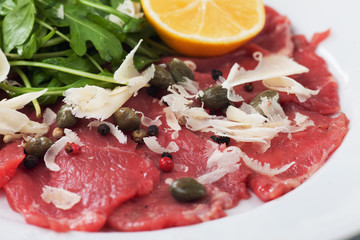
x=159, y=209
x=319, y=77
x=309, y=150
x=11, y=155
x=105, y=174
x=276, y=34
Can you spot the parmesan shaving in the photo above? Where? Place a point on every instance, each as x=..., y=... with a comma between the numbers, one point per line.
x=130, y=8
x=127, y=69
x=49, y=116
x=19, y=102
x=232, y=96
x=61, y=198
x=114, y=130
x=222, y=163
x=60, y=12
x=99, y=103
x=153, y=145
x=302, y=122
x=54, y=150
x=175, y=135
x=190, y=64
x=238, y=115
x=171, y=120
x=289, y=85
x=12, y=121
x=265, y=167
x=189, y=85
x=271, y=66
x=4, y=66
x=148, y=121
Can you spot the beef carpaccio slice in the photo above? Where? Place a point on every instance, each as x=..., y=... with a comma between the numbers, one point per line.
x=105, y=173
x=159, y=209
x=10, y=158
x=308, y=150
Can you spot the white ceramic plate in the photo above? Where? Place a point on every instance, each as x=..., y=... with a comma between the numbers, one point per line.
x=327, y=206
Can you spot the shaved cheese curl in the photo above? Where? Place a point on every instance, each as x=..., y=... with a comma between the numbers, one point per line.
x=171, y=119
x=237, y=115
x=114, y=130
x=271, y=66
x=49, y=116
x=4, y=66
x=153, y=145
x=221, y=163
x=61, y=198
x=148, y=121
x=59, y=145
x=12, y=121
x=96, y=102
x=19, y=102
x=289, y=85
x=264, y=168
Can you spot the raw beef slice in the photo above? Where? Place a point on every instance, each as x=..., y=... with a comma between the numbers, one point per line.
x=309, y=150
x=11, y=156
x=159, y=209
x=105, y=173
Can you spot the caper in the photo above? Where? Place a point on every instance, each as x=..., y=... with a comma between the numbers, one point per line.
x=65, y=118
x=179, y=70
x=215, y=97
x=187, y=189
x=162, y=78
x=126, y=119
x=38, y=146
x=269, y=94
x=138, y=135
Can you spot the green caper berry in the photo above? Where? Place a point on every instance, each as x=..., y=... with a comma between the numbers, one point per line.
x=187, y=189
x=269, y=94
x=126, y=119
x=138, y=135
x=65, y=118
x=38, y=146
x=162, y=78
x=215, y=97
x=179, y=70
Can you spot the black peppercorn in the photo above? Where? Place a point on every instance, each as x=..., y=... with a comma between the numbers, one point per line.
x=248, y=87
x=166, y=154
x=30, y=161
x=216, y=74
x=152, y=91
x=221, y=139
x=103, y=129
x=153, y=130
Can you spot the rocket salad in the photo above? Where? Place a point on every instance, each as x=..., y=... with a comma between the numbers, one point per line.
x=65, y=44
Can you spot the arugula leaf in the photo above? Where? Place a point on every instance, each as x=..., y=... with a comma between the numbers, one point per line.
x=28, y=49
x=82, y=29
x=6, y=7
x=74, y=61
x=18, y=24
x=47, y=100
x=51, y=9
